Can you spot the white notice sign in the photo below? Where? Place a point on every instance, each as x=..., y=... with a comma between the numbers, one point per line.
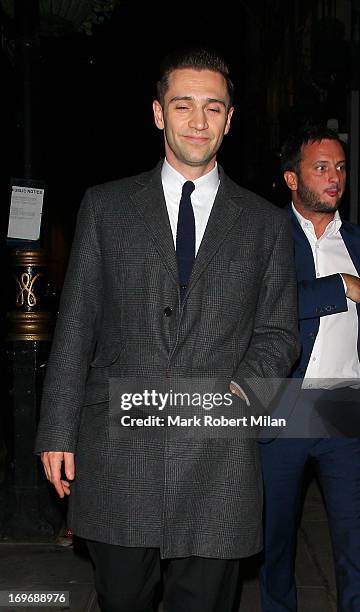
x=25, y=212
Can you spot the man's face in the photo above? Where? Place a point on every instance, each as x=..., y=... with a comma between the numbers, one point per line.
x=320, y=183
x=195, y=116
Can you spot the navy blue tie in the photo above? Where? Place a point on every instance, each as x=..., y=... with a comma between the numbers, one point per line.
x=185, y=237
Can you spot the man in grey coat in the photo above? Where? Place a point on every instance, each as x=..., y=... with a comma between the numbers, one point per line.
x=177, y=272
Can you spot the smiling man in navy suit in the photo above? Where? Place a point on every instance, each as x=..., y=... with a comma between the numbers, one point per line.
x=327, y=255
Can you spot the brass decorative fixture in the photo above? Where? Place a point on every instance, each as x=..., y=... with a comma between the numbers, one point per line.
x=29, y=319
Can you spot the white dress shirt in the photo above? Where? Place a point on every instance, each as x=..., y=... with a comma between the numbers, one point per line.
x=334, y=360
x=202, y=198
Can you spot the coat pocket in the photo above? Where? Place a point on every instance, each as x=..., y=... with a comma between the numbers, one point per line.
x=242, y=266
x=96, y=393
x=106, y=355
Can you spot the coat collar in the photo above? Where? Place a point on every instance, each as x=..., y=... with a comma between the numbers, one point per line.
x=150, y=202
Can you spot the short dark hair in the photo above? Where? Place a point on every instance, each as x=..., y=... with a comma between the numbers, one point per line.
x=291, y=152
x=201, y=58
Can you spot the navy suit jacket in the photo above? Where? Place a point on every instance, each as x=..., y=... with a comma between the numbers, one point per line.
x=318, y=297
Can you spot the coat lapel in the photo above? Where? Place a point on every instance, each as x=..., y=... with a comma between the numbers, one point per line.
x=224, y=213
x=151, y=205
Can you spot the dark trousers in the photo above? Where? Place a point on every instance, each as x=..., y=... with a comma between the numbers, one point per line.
x=337, y=463
x=126, y=580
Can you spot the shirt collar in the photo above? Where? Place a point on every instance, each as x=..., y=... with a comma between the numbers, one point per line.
x=173, y=181
x=331, y=229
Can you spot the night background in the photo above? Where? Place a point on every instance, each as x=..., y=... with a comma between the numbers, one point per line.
x=77, y=83
x=92, y=68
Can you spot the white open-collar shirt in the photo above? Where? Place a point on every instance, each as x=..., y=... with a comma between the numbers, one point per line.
x=334, y=359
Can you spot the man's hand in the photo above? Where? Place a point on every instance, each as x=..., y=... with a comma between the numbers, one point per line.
x=353, y=287
x=235, y=390
x=52, y=461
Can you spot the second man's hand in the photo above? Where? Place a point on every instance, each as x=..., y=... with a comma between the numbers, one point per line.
x=52, y=462
x=353, y=287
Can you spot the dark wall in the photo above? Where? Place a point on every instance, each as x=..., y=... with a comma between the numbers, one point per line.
x=92, y=97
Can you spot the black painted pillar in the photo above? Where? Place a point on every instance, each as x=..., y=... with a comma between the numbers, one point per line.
x=31, y=509
x=28, y=505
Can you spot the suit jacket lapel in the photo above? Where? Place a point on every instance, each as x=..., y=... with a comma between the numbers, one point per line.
x=151, y=205
x=304, y=260
x=303, y=254
x=352, y=243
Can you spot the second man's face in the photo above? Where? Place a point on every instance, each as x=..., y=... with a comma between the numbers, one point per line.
x=195, y=117
x=320, y=184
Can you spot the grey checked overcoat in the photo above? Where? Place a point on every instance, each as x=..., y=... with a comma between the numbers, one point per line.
x=237, y=321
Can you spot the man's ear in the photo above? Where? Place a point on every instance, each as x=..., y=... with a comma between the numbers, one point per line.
x=158, y=115
x=228, y=120
x=291, y=179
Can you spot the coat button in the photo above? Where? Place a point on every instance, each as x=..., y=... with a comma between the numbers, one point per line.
x=168, y=311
